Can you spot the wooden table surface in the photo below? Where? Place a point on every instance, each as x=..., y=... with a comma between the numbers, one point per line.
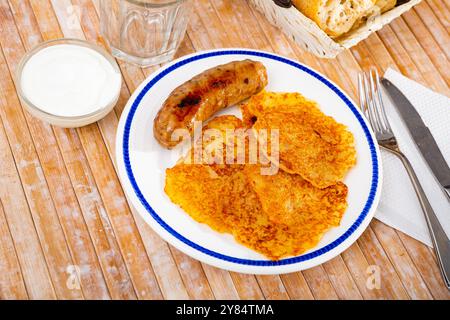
x=66, y=229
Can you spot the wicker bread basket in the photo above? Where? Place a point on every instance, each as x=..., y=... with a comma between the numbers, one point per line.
x=308, y=35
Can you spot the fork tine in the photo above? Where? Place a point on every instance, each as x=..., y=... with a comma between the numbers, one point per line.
x=368, y=103
x=375, y=95
x=363, y=97
x=362, y=104
x=382, y=108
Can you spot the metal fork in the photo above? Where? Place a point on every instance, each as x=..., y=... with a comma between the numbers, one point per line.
x=371, y=103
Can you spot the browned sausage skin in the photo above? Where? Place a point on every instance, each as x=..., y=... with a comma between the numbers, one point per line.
x=207, y=93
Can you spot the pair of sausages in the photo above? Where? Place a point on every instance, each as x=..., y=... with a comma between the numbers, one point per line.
x=205, y=94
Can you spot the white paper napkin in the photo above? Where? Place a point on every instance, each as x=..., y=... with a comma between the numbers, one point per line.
x=399, y=207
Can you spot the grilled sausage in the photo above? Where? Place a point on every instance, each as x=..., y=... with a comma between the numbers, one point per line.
x=205, y=94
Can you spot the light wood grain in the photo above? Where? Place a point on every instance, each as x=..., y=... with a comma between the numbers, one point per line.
x=62, y=205
x=18, y=216
x=12, y=285
x=30, y=168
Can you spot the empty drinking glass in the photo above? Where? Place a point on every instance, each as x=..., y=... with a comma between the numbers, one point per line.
x=144, y=32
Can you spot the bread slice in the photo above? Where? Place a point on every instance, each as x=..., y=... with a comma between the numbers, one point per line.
x=337, y=17
x=385, y=5
x=381, y=6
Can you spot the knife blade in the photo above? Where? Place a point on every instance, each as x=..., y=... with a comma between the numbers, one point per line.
x=421, y=135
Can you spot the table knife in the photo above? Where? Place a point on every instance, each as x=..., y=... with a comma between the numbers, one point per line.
x=421, y=136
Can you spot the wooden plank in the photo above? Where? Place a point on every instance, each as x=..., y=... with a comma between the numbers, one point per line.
x=273, y=288
x=246, y=16
x=247, y=286
x=88, y=189
x=236, y=21
x=421, y=70
x=117, y=288
x=26, y=241
x=320, y=284
x=62, y=193
x=193, y=275
x=365, y=60
x=341, y=279
x=410, y=277
x=196, y=274
x=447, y=3
x=338, y=274
x=148, y=290
x=191, y=270
x=166, y=270
x=296, y=286
x=417, y=49
x=375, y=255
x=207, y=25
x=427, y=265
x=129, y=241
x=435, y=17
x=441, y=11
x=198, y=34
x=96, y=217
x=125, y=229
x=221, y=283
x=361, y=270
x=12, y=286
x=36, y=189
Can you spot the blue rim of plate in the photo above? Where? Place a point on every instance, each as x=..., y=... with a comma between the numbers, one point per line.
x=259, y=263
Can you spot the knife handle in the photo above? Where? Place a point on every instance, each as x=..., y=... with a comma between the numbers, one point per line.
x=439, y=238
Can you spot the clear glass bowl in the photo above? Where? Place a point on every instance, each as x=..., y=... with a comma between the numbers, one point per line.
x=65, y=121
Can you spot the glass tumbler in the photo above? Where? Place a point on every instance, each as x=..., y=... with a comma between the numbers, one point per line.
x=144, y=32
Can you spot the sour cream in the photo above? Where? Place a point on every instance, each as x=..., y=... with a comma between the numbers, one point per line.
x=69, y=80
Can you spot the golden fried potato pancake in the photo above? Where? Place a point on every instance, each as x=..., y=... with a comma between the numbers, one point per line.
x=196, y=183
x=196, y=189
x=258, y=210
x=306, y=212
x=266, y=102
x=278, y=216
x=291, y=200
x=223, y=146
x=311, y=144
x=228, y=204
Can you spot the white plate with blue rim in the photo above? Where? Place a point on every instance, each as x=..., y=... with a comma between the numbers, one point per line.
x=142, y=162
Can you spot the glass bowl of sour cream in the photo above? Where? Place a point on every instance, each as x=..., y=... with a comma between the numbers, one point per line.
x=68, y=82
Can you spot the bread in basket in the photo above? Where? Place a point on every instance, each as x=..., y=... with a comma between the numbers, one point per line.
x=328, y=27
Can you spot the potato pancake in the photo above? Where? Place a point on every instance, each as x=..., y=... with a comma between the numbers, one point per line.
x=291, y=200
x=311, y=144
x=266, y=102
x=196, y=189
x=218, y=143
x=228, y=204
x=278, y=216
